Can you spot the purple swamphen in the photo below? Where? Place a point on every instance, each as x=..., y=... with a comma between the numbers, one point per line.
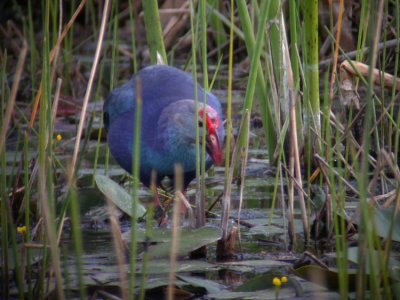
x=168, y=133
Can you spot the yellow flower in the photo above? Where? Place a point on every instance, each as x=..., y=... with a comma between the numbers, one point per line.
x=58, y=137
x=284, y=279
x=276, y=282
x=21, y=229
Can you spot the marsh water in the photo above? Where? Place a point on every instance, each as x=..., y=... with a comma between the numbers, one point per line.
x=262, y=250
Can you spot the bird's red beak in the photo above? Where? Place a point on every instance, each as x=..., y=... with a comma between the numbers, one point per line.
x=213, y=148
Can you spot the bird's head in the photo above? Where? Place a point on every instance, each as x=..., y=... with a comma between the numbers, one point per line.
x=213, y=123
x=178, y=119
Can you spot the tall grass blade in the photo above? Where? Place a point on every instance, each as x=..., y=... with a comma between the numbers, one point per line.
x=200, y=205
x=135, y=185
x=311, y=95
x=175, y=231
x=45, y=183
x=261, y=89
x=153, y=30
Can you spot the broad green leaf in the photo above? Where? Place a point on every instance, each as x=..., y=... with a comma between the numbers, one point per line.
x=383, y=219
x=189, y=240
x=371, y=256
x=121, y=198
x=325, y=277
x=210, y=286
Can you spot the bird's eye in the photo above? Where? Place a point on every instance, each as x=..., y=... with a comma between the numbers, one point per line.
x=200, y=123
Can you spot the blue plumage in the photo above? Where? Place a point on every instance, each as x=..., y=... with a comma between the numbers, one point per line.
x=168, y=123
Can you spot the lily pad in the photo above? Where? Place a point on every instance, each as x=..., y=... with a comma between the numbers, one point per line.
x=189, y=240
x=371, y=255
x=383, y=219
x=325, y=277
x=266, y=231
x=121, y=198
x=208, y=285
x=163, y=266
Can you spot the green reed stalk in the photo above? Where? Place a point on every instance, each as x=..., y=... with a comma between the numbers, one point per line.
x=15, y=253
x=229, y=100
x=32, y=50
x=28, y=274
x=194, y=33
x=294, y=58
x=361, y=43
x=3, y=190
x=366, y=228
x=100, y=133
x=4, y=228
x=275, y=40
x=67, y=53
x=261, y=89
x=175, y=231
x=6, y=121
x=228, y=182
x=396, y=70
x=381, y=133
x=44, y=196
x=145, y=261
x=114, y=63
x=311, y=72
x=254, y=65
x=153, y=30
x=135, y=186
x=77, y=237
x=200, y=220
x=133, y=35
x=225, y=21
x=114, y=52
x=294, y=55
x=336, y=195
x=90, y=13
x=217, y=26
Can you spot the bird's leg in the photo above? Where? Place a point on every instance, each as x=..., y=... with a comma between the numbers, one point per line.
x=159, y=213
x=185, y=206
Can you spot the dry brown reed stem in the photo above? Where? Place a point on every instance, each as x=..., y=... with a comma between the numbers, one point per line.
x=52, y=55
x=226, y=198
x=291, y=176
x=99, y=46
x=55, y=102
x=346, y=70
x=224, y=249
x=118, y=250
x=325, y=164
x=57, y=49
x=296, y=157
x=336, y=53
x=175, y=231
x=384, y=159
x=13, y=95
x=175, y=25
x=243, y=163
x=294, y=166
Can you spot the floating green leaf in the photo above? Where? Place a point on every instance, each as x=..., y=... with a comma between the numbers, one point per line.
x=383, y=219
x=122, y=199
x=189, y=240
